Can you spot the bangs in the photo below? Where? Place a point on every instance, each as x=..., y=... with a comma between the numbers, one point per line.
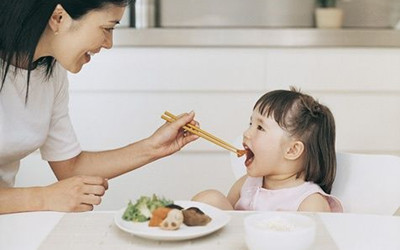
x=277, y=104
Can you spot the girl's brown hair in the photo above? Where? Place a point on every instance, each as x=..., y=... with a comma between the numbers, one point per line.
x=312, y=123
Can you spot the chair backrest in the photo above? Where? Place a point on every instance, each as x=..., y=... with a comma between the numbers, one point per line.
x=368, y=183
x=364, y=183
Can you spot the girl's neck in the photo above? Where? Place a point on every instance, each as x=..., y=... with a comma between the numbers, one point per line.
x=282, y=181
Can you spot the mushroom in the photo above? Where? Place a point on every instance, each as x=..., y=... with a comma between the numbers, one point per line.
x=193, y=216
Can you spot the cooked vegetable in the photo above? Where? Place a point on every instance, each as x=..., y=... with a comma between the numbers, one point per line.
x=144, y=206
x=173, y=220
x=158, y=215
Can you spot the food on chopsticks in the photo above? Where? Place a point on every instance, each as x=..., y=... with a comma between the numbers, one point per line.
x=163, y=213
x=203, y=134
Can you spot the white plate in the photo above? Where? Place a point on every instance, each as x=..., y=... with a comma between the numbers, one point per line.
x=141, y=229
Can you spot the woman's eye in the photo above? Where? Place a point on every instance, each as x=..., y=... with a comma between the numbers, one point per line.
x=260, y=128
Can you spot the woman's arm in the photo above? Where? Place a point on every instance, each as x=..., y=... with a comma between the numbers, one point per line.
x=168, y=139
x=75, y=194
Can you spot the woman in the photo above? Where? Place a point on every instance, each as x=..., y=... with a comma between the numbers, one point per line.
x=39, y=41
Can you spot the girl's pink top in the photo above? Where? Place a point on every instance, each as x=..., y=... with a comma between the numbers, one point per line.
x=254, y=197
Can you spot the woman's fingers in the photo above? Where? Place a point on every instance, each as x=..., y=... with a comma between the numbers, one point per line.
x=91, y=199
x=105, y=183
x=95, y=180
x=98, y=190
x=84, y=207
x=94, y=187
x=184, y=119
x=76, y=194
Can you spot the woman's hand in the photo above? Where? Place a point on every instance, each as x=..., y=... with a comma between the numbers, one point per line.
x=75, y=194
x=171, y=137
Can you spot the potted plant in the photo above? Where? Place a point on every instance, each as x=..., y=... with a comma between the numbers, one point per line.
x=327, y=15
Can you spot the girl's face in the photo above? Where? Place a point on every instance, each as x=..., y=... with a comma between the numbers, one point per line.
x=266, y=143
x=78, y=40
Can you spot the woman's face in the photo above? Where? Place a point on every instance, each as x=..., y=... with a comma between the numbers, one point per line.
x=266, y=143
x=77, y=40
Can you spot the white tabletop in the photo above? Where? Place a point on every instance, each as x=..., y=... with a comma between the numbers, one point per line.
x=96, y=230
x=26, y=230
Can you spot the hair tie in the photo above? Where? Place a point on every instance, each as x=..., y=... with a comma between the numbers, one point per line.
x=316, y=109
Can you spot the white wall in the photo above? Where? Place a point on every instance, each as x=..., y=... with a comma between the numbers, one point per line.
x=119, y=97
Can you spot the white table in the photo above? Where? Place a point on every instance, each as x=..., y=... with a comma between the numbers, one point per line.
x=96, y=230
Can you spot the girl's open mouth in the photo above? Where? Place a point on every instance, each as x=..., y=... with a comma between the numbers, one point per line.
x=249, y=155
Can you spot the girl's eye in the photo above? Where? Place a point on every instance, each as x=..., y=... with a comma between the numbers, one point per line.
x=260, y=128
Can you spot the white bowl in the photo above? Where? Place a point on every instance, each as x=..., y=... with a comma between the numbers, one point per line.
x=279, y=230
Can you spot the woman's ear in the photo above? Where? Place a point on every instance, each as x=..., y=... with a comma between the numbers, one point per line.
x=56, y=18
x=294, y=151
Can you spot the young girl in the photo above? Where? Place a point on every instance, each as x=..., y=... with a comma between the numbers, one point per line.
x=290, y=159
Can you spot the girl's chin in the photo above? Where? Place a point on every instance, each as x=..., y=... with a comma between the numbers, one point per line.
x=250, y=171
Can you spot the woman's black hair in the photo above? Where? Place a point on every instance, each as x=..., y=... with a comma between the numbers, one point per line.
x=305, y=119
x=22, y=23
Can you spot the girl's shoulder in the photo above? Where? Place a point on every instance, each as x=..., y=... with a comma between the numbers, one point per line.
x=315, y=202
x=316, y=199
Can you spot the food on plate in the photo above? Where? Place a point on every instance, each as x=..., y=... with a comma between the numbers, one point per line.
x=193, y=216
x=144, y=206
x=158, y=215
x=174, y=206
x=173, y=220
x=163, y=213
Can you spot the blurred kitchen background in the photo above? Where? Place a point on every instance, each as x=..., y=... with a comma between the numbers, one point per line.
x=217, y=57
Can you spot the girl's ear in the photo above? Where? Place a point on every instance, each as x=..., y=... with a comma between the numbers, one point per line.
x=56, y=18
x=294, y=151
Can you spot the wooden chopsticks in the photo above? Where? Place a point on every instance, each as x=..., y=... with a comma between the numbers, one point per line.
x=197, y=131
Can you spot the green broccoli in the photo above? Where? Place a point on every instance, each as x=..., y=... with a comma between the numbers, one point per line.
x=144, y=206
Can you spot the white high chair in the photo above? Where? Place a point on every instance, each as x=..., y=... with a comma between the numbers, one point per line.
x=368, y=183
x=364, y=183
